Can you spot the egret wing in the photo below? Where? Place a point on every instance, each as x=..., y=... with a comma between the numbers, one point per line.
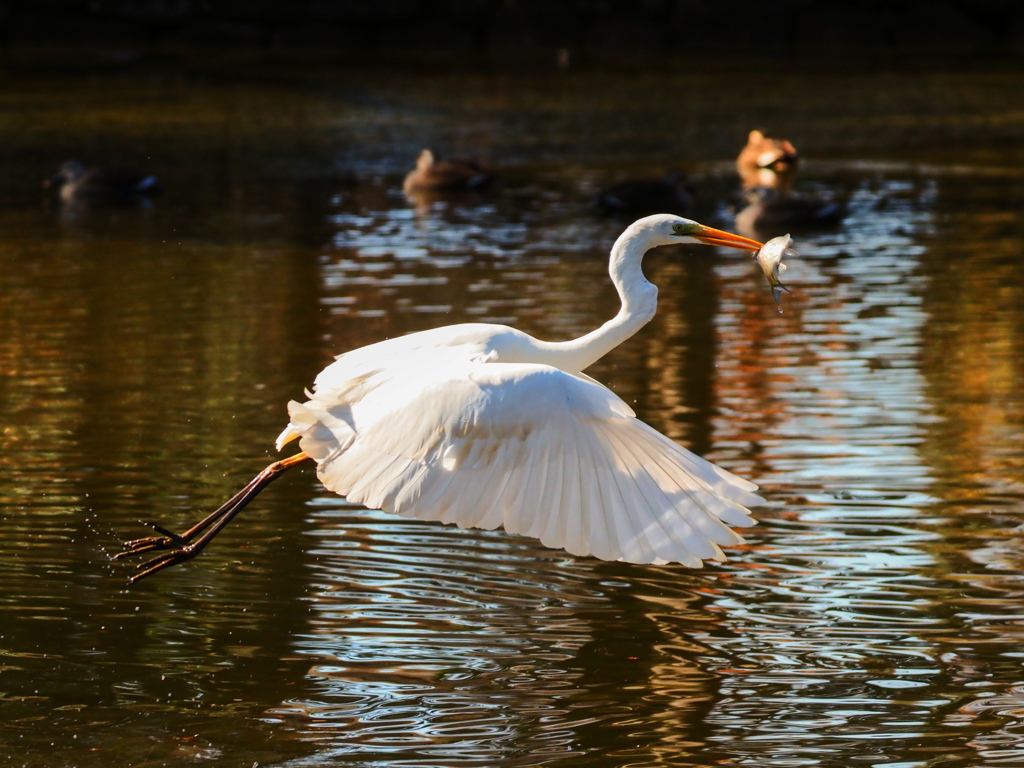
x=528, y=447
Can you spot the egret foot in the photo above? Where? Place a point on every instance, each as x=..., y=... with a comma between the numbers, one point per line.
x=165, y=560
x=187, y=545
x=168, y=540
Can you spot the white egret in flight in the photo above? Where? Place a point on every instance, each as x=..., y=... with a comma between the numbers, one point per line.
x=484, y=426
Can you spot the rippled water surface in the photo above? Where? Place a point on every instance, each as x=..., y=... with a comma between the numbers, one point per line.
x=876, y=615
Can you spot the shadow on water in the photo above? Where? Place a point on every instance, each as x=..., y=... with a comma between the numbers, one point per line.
x=147, y=353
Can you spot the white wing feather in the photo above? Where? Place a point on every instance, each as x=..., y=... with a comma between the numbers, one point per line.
x=441, y=434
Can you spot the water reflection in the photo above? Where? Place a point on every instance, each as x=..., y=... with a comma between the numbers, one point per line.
x=146, y=355
x=841, y=363
x=400, y=668
x=444, y=653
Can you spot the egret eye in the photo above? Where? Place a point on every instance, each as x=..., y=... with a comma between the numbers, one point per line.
x=680, y=229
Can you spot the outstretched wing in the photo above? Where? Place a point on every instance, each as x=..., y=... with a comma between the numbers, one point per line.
x=541, y=452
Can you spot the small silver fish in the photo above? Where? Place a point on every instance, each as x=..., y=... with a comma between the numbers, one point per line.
x=769, y=258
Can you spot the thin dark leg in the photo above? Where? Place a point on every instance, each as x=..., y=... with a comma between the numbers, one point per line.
x=170, y=540
x=187, y=545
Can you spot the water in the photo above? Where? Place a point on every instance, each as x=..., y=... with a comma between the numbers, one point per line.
x=876, y=615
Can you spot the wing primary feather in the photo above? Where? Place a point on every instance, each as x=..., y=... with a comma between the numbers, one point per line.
x=721, y=481
x=539, y=496
x=434, y=482
x=740, y=482
x=493, y=514
x=405, y=500
x=515, y=513
x=553, y=534
x=531, y=499
x=580, y=527
x=372, y=484
x=403, y=483
x=390, y=484
x=336, y=471
x=670, y=542
x=645, y=504
x=591, y=510
x=698, y=524
x=570, y=529
x=718, y=501
x=553, y=489
x=707, y=522
x=472, y=489
x=619, y=509
x=685, y=523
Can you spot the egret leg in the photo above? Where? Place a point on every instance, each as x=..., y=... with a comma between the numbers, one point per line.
x=187, y=545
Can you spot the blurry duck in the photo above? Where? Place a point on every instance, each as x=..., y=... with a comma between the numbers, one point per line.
x=769, y=211
x=767, y=162
x=74, y=182
x=437, y=175
x=639, y=197
x=767, y=168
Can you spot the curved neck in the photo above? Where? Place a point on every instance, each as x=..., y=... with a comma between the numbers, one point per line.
x=639, y=303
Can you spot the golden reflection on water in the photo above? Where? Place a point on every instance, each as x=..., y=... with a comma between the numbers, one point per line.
x=975, y=341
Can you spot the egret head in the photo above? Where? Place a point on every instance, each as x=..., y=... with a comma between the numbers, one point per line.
x=665, y=229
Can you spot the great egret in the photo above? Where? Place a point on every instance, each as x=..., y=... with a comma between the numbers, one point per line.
x=670, y=193
x=73, y=181
x=485, y=426
x=433, y=174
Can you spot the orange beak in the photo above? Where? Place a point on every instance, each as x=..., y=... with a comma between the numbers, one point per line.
x=711, y=236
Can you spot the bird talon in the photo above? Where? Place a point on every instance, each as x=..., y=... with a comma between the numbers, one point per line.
x=168, y=540
x=160, y=562
x=166, y=557
x=166, y=532
x=133, y=543
x=134, y=548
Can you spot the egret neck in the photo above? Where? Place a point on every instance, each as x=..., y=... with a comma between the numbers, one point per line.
x=639, y=303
